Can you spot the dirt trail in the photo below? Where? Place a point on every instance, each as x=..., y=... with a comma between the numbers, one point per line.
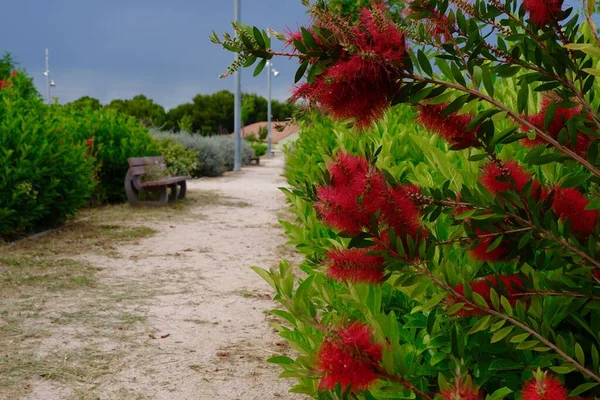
x=203, y=331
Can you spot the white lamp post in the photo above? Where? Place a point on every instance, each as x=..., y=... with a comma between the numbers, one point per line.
x=49, y=83
x=237, y=103
x=274, y=72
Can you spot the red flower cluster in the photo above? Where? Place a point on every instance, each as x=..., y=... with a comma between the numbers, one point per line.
x=571, y=203
x=548, y=388
x=450, y=127
x=358, y=191
x=480, y=252
x=561, y=116
x=350, y=358
x=14, y=73
x=3, y=84
x=542, y=12
x=437, y=25
x=509, y=176
x=355, y=265
x=89, y=142
x=509, y=286
x=360, y=83
x=461, y=391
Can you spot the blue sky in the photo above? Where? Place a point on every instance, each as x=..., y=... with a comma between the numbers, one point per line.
x=119, y=48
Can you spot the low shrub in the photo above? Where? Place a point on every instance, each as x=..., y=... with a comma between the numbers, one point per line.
x=46, y=174
x=215, y=153
x=180, y=161
x=259, y=149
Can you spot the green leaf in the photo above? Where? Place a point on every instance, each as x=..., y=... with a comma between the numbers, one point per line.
x=495, y=244
x=487, y=82
x=281, y=360
x=266, y=275
x=480, y=325
x=301, y=71
x=499, y=394
x=457, y=74
x=260, y=66
x=506, y=305
x=593, y=205
x=501, y=334
x=583, y=388
x=424, y=63
x=563, y=369
x=519, y=338
x=259, y=38
x=309, y=39
x=579, y=354
x=525, y=239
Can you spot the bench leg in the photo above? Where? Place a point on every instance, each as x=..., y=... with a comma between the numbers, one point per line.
x=173, y=195
x=131, y=190
x=182, y=190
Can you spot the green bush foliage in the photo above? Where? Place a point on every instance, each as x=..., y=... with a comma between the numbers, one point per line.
x=259, y=149
x=113, y=138
x=468, y=269
x=46, y=173
x=180, y=161
x=215, y=153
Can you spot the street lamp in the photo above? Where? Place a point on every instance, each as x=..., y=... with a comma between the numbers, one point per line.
x=237, y=102
x=49, y=82
x=270, y=72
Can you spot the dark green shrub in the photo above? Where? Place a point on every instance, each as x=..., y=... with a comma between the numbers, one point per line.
x=112, y=138
x=46, y=174
x=180, y=161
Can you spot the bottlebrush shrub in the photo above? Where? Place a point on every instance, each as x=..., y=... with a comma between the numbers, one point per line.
x=114, y=138
x=46, y=174
x=485, y=288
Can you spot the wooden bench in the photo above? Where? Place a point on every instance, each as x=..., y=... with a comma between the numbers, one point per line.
x=135, y=184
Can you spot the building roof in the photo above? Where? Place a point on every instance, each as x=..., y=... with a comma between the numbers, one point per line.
x=289, y=129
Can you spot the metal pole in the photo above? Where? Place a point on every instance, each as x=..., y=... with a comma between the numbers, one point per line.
x=47, y=73
x=237, y=104
x=269, y=153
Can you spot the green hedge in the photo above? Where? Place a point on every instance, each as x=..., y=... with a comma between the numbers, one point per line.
x=46, y=172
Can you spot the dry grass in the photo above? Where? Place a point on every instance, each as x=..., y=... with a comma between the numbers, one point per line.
x=58, y=321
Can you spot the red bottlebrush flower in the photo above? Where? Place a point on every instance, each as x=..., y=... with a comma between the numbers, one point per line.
x=450, y=127
x=373, y=191
x=401, y=213
x=3, y=84
x=510, y=286
x=561, y=116
x=515, y=179
x=460, y=391
x=339, y=209
x=360, y=84
x=14, y=73
x=571, y=203
x=549, y=388
x=349, y=358
x=542, y=12
x=344, y=169
x=89, y=142
x=481, y=251
x=355, y=265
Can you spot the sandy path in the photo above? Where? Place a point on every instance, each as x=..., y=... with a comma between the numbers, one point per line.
x=204, y=296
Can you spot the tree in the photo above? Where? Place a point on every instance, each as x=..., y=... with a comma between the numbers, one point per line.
x=144, y=109
x=85, y=102
x=465, y=288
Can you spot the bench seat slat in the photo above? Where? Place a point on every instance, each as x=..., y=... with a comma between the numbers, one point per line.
x=166, y=181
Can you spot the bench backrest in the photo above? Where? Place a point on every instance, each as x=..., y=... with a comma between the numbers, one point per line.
x=146, y=165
